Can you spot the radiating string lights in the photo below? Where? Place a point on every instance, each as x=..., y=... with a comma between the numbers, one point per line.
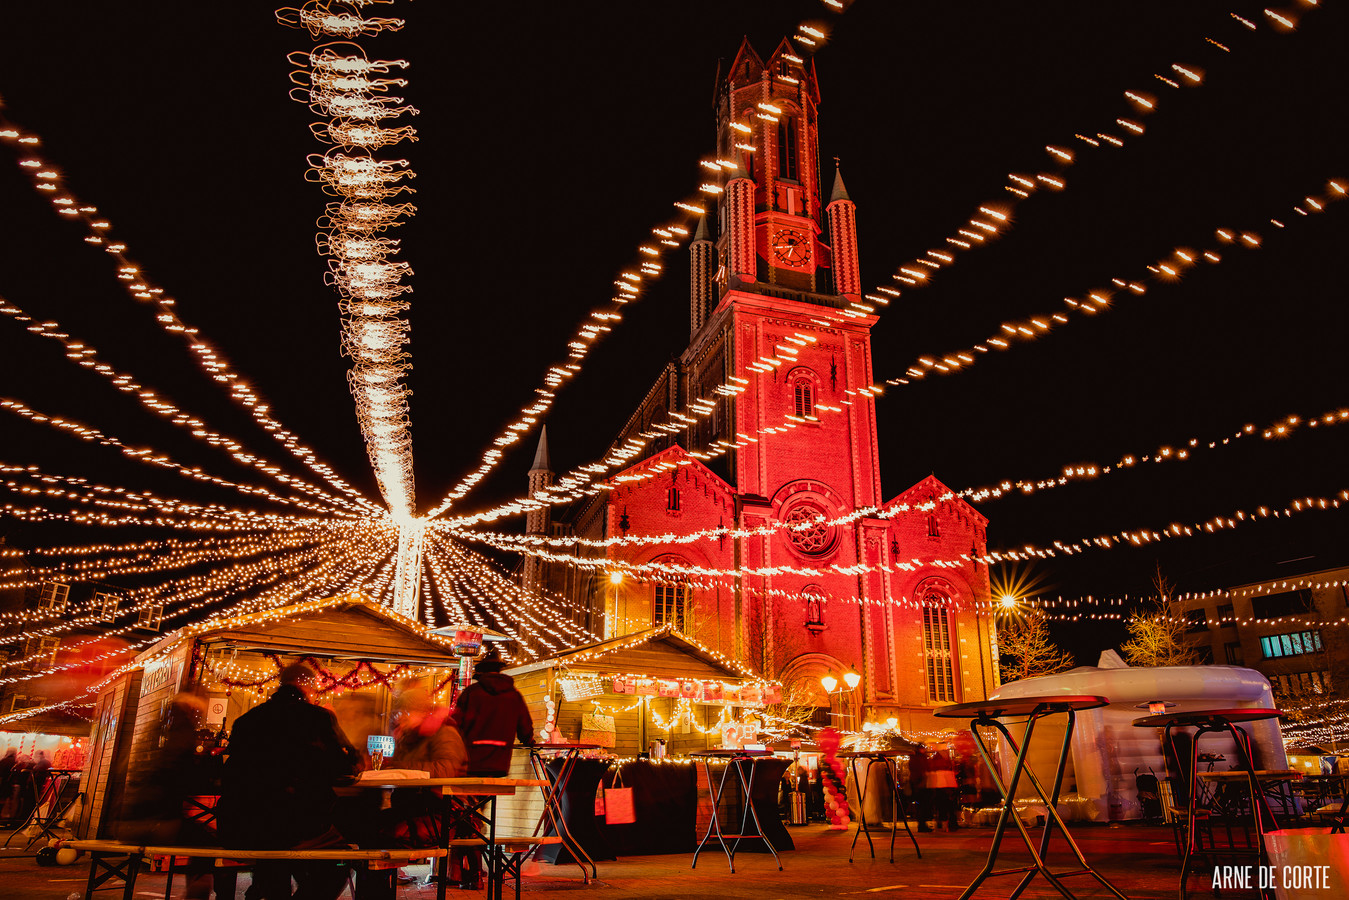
x=137, y=284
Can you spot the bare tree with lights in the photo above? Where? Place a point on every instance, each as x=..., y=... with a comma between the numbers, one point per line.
x=1158, y=635
x=1025, y=651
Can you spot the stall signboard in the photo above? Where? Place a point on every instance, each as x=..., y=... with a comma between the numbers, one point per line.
x=669, y=689
x=712, y=690
x=646, y=687
x=620, y=685
x=598, y=729
x=691, y=690
x=216, y=708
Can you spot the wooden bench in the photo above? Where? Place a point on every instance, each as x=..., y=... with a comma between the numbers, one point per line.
x=116, y=860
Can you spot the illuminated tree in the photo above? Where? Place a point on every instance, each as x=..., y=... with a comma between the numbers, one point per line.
x=1025, y=650
x=1157, y=635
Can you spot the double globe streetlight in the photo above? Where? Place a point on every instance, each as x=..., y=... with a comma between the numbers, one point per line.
x=830, y=683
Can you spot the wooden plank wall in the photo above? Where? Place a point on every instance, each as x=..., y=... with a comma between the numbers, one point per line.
x=104, y=772
x=158, y=688
x=520, y=813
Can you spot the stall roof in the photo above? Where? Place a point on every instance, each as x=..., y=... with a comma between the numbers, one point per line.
x=347, y=626
x=656, y=652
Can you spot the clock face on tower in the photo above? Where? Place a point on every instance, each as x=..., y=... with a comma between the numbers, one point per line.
x=791, y=248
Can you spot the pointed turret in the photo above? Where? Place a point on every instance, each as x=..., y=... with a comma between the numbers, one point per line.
x=842, y=216
x=538, y=519
x=839, y=192
x=702, y=287
x=541, y=463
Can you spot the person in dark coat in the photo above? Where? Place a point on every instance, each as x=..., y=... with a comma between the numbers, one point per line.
x=492, y=715
x=285, y=756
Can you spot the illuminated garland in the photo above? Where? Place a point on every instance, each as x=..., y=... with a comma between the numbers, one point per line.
x=141, y=289
x=629, y=285
x=994, y=217
x=84, y=355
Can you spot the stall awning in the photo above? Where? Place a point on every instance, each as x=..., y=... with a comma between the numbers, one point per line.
x=343, y=627
x=656, y=653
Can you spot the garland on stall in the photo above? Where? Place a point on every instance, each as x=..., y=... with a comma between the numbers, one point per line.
x=328, y=681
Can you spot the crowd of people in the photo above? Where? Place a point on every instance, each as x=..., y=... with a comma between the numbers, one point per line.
x=287, y=756
x=22, y=779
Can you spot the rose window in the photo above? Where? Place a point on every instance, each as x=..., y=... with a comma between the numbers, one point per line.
x=807, y=531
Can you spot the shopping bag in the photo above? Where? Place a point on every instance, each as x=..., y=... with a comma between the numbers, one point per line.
x=618, y=803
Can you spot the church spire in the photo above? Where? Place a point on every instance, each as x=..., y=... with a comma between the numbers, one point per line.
x=537, y=519
x=839, y=192
x=541, y=463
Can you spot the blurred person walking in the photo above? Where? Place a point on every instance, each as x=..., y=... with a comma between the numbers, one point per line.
x=153, y=806
x=285, y=756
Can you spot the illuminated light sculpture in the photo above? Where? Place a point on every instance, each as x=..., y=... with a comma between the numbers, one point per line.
x=320, y=20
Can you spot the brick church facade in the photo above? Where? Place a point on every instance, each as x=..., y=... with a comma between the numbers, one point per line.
x=777, y=313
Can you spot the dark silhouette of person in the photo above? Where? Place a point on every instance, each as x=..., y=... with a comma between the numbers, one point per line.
x=285, y=756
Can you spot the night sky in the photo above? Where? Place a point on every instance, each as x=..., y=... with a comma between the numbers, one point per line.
x=552, y=137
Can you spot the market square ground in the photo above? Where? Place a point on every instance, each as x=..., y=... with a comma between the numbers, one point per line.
x=1139, y=859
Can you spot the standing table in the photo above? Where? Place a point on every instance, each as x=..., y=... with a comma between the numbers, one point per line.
x=739, y=760
x=555, y=787
x=1216, y=721
x=898, y=811
x=985, y=713
x=52, y=793
x=454, y=811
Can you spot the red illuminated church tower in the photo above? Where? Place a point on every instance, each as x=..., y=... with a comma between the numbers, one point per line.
x=776, y=302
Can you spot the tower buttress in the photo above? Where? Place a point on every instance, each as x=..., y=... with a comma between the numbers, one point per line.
x=702, y=289
x=842, y=214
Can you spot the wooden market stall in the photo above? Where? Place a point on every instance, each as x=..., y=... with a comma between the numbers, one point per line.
x=359, y=648
x=629, y=693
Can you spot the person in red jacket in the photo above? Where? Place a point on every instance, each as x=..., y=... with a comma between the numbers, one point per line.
x=492, y=715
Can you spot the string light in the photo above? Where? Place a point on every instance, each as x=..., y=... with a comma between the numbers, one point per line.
x=140, y=288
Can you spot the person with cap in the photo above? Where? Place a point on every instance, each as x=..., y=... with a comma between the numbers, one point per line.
x=285, y=756
x=491, y=714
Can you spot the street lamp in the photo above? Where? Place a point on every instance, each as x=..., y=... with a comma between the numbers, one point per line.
x=830, y=683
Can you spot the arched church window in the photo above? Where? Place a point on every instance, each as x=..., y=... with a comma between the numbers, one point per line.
x=672, y=499
x=803, y=398
x=669, y=607
x=787, y=148
x=940, y=663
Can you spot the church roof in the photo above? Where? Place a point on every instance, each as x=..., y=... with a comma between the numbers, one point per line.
x=672, y=455
x=541, y=462
x=930, y=488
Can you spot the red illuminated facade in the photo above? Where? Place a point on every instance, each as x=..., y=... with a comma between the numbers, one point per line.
x=775, y=272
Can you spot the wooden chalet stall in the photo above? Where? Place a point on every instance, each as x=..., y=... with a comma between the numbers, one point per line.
x=360, y=649
x=629, y=692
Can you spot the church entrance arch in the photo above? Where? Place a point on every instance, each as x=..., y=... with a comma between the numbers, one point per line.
x=802, y=686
